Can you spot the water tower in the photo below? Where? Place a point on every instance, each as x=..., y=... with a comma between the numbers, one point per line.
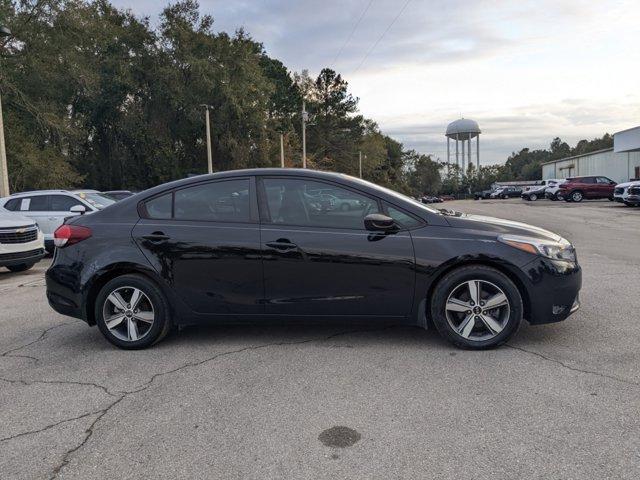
x=462, y=131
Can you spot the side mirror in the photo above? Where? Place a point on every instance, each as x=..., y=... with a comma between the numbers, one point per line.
x=81, y=209
x=377, y=222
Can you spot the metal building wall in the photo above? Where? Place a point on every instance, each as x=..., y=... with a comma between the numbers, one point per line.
x=619, y=167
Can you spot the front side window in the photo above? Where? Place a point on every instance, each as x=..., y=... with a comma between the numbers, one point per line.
x=403, y=219
x=604, y=180
x=224, y=201
x=587, y=180
x=292, y=201
x=63, y=203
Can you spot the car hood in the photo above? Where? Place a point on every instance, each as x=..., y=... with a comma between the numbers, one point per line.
x=628, y=184
x=13, y=220
x=499, y=226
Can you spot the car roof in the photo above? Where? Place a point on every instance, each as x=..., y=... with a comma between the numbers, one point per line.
x=39, y=192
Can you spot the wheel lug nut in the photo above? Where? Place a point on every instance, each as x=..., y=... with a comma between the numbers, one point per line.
x=468, y=312
x=482, y=304
x=477, y=318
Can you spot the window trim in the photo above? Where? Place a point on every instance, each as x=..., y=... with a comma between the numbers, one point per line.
x=265, y=214
x=253, y=208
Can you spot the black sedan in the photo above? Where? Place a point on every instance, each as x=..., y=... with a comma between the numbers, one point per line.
x=253, y=244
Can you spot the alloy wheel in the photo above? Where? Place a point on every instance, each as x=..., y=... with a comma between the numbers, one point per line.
x=128, y=314
x=576, y=196
x=477, y=310
x=533, y=197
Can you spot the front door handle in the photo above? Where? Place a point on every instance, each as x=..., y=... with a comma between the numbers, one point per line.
x=282, y=244
x=156, y=236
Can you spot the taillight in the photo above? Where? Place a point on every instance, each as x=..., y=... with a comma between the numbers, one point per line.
x=66, y=235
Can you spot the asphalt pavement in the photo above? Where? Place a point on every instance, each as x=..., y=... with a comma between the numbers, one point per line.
x=295, y=401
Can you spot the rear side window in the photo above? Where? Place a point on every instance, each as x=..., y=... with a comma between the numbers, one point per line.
x=39, y=203
x=13, y=205
x=225, y=201
x=160, y=207
x=587, y=180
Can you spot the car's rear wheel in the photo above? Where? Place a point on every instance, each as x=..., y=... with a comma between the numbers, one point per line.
x=476, y=307
x=533, y=197
x=23, y=267
x=132, y=312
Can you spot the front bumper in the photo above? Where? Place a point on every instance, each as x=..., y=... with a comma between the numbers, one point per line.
x=19, y=258
x=554, y=290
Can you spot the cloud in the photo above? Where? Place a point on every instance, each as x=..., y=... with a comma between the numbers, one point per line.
x=526, y=70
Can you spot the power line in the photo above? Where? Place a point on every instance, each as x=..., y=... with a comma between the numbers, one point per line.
x=355, y=27
x=382, y=36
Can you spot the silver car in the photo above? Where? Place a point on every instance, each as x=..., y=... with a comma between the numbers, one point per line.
x=49, y=208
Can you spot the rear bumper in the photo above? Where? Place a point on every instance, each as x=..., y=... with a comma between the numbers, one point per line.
x=62, y=292
x=554, y=291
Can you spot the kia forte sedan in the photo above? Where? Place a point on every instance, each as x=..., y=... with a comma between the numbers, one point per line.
x=254, y=245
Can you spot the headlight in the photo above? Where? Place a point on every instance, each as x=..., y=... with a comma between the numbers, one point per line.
x=560, y=250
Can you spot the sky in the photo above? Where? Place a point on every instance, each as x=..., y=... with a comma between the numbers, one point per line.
x=526, y=71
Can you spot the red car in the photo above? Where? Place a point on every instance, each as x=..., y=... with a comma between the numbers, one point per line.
x=577, y=189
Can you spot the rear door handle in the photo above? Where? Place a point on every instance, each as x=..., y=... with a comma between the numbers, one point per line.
x=156, y=236
x=282, y=245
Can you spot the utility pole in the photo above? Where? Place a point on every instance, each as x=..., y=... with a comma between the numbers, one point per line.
x=4, y=172
x=305, y=118
x=360, y=162
x=208, y=126
x=281, y=151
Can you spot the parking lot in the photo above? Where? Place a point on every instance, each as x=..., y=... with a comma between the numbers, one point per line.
x=559, y=401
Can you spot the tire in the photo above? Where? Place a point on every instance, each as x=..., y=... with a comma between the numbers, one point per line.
x=121, y=334
x=504, y=197
x=533, y=197
x=509, y=318
x=576, y=196
x=610, y=199
x=23, y=267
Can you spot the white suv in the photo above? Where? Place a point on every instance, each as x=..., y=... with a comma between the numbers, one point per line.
x=553, y=185
x=49, y=208
x=21, y=242
x=621, y=191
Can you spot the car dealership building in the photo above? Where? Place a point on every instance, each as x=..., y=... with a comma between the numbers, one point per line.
x=620, y=163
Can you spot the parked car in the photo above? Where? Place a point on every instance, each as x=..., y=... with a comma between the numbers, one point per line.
x=21, y=242
x=118, y=195
x=590, y=187
x=553, y=186
x=49, y=208
x=430, y=199
x=483, y=195
x=534, y=193
x=621, y=190
x=447, y=198
x=633, y=196
x=506, y=192
x=175, y=258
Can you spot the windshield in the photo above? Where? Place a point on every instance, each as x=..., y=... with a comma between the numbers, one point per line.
x=95, y=199
x=400, y=196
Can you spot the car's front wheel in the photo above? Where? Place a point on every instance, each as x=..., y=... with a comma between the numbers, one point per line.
x=132, y=312
x=533, y=197
x=576, y=196
x=476, y=307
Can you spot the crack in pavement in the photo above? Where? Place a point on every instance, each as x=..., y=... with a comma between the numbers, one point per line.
x=124, y=394
x=58, y=382
x=575, y=369
x=39, y=339
x=48, y=427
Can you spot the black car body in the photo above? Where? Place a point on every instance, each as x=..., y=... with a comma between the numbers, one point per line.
x=261, y=249
x=534, y=193
x=483, y=195
x=506, y=192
